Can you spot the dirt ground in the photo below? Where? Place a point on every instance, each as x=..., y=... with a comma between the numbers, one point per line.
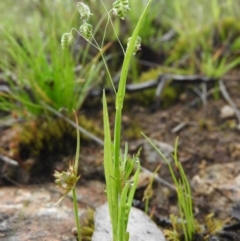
x=209, y=149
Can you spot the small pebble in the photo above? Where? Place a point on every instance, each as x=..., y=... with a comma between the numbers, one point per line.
x=227, y=111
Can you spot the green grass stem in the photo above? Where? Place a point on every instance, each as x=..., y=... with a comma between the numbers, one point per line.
x=121, y=94
x=111, y=187
x=75, y=203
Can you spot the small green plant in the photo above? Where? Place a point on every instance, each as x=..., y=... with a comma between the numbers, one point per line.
x=210, y=227
x=118, y=167
x=175, y=233
x=186, y=227
x=120, y=190
x=187, y=221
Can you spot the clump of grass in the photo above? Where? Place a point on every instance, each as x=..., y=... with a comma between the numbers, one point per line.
x=34, y=67
x=183, y=193
x=120, y=190
x=186, y=227
x=118, y=167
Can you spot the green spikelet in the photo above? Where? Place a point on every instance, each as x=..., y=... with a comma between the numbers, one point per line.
x=66, y=40
x=86, y=30
x=120, y=8
x=84, y=11
x=137, y=45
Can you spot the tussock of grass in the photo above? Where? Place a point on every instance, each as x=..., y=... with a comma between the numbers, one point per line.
x=33, y=63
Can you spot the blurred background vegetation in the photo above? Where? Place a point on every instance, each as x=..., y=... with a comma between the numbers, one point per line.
x=197, y=37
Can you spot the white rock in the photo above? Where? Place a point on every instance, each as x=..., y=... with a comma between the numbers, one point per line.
x=227, y=111
x=140, y=226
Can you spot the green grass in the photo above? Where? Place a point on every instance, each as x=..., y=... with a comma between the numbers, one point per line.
x=184, y=194
x=206, y=33
x=206, y=39
x=33, y=63
x=117, y=170
x=206, y=42
x=118, y=167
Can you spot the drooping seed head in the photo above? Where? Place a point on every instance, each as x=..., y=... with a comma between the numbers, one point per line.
x=66, y=40
x=66, y=180
x=137, y=45
x=120, y=8
x=84, y=11
x=86, y=30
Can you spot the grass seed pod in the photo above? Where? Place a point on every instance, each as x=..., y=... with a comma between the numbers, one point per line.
x=137, y=45
x=86, y=30
x=66, y=40
x=120, y=8
x=84, y=11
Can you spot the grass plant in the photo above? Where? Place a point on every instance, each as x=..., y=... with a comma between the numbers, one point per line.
x=118, y=167
x=33, y=65
x=186, y=227
x=187, y=221
x=120, y=190
x=67, y=181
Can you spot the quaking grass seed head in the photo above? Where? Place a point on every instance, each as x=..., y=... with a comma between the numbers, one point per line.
x=120, y=8
x=66, y=180
x=66, y=40
x=86, y=30
x=137, y=45
x=84, y=11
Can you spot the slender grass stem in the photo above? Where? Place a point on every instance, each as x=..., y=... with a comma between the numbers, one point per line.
x=85, y=38
x=110, y=19
x=121, y=94
x=76, y=163
x=76, y=214
x=96, y=45
x=108, y=72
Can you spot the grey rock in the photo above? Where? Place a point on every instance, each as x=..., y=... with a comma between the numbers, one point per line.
x=140, y=226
